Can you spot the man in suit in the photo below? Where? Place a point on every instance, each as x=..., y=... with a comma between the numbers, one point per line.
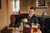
x=31, y=17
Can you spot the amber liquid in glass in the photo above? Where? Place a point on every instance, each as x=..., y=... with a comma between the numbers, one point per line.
x=34, y=29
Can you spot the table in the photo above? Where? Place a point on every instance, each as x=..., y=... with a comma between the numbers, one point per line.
x=43, y=18
x=29, y=30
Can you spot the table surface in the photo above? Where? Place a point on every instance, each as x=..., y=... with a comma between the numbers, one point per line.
x=43, y=16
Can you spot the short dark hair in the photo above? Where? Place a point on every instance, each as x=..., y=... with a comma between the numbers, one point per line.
x=32, y=8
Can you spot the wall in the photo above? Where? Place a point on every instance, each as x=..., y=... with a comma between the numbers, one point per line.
x=40, y=11
x=24, y=8
x=9, y=12
x=5, y=12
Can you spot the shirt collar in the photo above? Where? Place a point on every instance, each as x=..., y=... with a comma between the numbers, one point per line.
x=31, y=15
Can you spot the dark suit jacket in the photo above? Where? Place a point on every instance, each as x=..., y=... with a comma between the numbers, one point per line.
x=32, y=20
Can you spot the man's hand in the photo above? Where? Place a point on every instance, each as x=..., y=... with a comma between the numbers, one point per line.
x=27, y=26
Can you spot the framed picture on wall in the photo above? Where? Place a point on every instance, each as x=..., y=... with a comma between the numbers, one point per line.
x=0, y=4
x=41, y=3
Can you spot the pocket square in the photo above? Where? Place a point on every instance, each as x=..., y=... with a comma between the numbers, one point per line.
x=32, y=20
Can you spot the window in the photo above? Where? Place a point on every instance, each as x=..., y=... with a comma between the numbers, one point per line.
x=13, y=7
x=16, y=5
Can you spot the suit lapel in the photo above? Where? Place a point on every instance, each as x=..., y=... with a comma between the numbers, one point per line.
x=31, y=19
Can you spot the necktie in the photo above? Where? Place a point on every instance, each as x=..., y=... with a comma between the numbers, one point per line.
x=29, y=18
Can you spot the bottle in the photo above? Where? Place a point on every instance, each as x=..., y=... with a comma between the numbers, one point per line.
x=21, y=26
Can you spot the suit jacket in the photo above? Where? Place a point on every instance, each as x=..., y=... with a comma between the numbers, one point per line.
x=32, y=20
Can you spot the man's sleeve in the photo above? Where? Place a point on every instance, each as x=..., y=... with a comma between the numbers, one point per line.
x=18, y=24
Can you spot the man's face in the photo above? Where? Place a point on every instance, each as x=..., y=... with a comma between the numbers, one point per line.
x=31, y=12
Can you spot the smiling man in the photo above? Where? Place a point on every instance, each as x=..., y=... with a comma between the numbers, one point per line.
x=31, y=17
x=31, y=13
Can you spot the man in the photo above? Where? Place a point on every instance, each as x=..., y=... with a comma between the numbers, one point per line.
x=31, y=17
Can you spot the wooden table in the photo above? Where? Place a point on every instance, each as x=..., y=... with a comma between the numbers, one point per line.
x=29, y=30
x=26, y=30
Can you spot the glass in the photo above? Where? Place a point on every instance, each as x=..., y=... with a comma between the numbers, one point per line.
x=35, y=27
x=21, y=27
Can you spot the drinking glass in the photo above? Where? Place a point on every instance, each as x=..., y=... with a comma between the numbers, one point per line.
x=35, y=27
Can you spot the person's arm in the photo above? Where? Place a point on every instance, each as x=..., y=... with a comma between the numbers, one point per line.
x=18, y=24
